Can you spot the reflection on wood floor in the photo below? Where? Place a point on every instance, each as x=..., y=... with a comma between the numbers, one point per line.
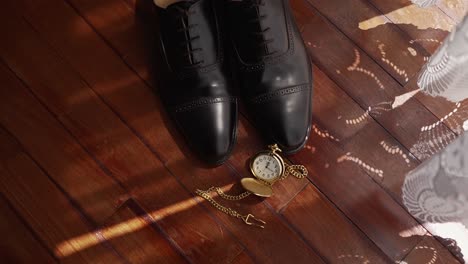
x=92, y=172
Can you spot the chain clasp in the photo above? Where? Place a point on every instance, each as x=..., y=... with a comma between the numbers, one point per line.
x=260, y=223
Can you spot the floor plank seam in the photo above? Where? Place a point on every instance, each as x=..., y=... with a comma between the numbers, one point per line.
x=297, y=233
x=285, y=206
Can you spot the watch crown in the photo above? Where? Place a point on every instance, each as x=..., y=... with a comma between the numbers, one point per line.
x=274, y=148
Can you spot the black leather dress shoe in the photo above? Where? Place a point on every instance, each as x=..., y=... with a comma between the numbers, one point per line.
x=274, y=70
x=194, y=83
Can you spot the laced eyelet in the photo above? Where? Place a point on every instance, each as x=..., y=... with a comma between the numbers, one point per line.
x=257, y=20
x=188, y=39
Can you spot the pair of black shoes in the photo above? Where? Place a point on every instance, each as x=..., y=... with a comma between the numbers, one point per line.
x=208, y=47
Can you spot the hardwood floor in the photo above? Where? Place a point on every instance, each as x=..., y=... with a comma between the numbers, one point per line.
x=91, y=171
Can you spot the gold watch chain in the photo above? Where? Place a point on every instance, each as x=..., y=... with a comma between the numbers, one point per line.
x=246, y=218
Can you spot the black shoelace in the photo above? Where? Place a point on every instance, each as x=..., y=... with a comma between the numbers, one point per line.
x=187, y=43
x=257, y=4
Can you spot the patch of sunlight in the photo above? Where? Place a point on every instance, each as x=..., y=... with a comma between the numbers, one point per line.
x=79, y=243
x=422, y=18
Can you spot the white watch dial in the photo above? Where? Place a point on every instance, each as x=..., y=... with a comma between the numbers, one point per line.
x=266, y=167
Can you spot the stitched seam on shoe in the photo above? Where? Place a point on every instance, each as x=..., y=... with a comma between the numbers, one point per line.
x=202, y=102
x=285, y=91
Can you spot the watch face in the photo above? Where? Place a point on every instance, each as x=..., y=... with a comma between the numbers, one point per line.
x=267, y=167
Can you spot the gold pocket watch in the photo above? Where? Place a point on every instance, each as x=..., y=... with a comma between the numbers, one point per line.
x=267, y=167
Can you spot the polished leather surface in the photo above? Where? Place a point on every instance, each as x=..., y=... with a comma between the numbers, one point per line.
x=274, y=71
x=195, y=86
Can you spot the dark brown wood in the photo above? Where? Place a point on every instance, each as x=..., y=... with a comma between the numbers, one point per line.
x=51, y=215
x=18, y=244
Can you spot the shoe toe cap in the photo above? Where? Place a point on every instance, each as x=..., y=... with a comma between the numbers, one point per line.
x=210, y=128
x=285, y=119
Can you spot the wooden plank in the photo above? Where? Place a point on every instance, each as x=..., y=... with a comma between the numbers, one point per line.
x=48, y=19
x=429, y=250
x=117, y=148
x=18, y=244
x=52, y=217
x=386, y=44
x=426, y=26
x=336, y=239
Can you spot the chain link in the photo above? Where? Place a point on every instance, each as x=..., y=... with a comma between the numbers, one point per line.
x=246, y=218
x=298, y=171
x=206, y=195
